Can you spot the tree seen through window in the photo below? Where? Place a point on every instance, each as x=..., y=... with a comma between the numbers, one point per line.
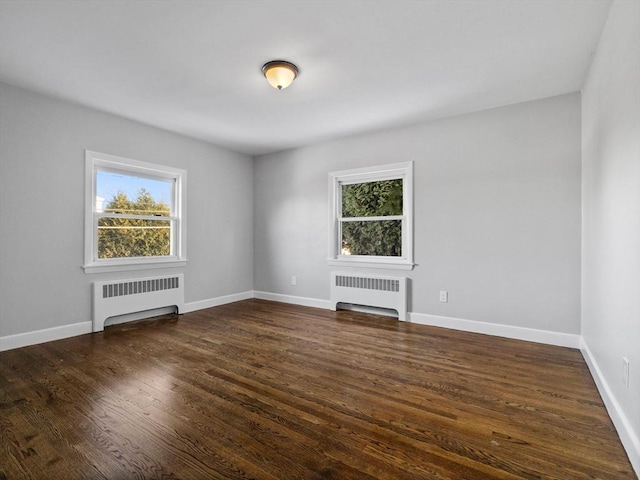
x=371, y=220
x=121, y=235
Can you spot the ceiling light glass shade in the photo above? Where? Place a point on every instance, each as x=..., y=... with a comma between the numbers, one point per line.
x=279, y=73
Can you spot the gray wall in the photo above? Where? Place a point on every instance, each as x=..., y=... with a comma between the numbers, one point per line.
x=611, y=213
x=497, y=197
x=42, y=143
x=497, y=213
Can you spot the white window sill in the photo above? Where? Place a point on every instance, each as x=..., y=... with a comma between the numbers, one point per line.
x=363, y=262
x=130, y=266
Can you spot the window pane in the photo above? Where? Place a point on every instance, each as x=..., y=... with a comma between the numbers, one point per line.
x=378, y=238
x=125, y=238
x=119, y=193
x=372, y=199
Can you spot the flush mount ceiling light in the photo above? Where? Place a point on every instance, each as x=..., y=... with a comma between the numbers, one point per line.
x=279, y=73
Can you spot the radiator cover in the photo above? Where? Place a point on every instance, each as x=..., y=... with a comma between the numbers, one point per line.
x=111, y=298
x=370, y=290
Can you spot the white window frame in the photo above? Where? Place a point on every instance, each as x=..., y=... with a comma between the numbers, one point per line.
x=94, y=162
x=402, y=171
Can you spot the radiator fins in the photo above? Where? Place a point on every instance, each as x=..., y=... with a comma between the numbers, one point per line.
x=139, y=286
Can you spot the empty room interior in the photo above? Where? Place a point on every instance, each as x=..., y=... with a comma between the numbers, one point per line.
x=320, y=239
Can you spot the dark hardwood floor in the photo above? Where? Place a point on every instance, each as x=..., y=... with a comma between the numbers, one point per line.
x=265, y=390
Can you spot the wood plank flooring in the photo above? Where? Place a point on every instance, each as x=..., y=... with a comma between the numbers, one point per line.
x=264, y=390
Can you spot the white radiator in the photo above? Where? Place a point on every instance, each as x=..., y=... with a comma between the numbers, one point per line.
x=113, y=298
x=371, y=291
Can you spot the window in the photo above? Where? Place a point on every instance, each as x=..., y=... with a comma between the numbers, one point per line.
x=371, y=217
x=134, y=214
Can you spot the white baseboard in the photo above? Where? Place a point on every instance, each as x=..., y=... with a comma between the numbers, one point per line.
x=628, y=437
x=10, y=342
x=517, y=333
x=304, y=301
x=507, y=331
x=46, y=335
x=215, y=302
x=520, y=333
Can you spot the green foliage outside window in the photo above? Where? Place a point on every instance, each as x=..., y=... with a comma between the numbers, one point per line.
x=130, y=237
x=372, y=237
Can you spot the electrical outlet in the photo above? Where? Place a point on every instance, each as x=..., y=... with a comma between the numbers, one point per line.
x=444, y=296
x=294, y=281
x=625, y=371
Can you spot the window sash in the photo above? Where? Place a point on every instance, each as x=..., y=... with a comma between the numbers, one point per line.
x=372, y=219
x=132, y=172
x=173, y=220
x=172, y=225
x=394, y=218
x=341, y=219
x=368, y=208
x=134, y=217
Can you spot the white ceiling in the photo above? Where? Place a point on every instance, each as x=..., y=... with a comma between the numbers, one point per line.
x=193, y=67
